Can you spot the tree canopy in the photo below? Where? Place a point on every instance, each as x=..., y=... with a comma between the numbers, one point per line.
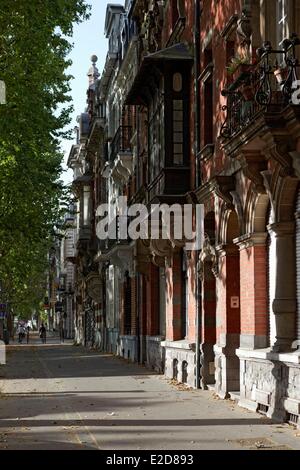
x=35, y=41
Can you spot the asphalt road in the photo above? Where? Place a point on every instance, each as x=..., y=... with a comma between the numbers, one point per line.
x=64, y=397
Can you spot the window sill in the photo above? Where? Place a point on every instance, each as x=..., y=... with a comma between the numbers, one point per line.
x=181, y=344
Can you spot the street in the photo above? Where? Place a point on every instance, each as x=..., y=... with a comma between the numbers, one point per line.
x=58, y=396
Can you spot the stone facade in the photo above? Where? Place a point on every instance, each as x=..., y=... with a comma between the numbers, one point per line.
x=155, y=353
x=272, y=380
x=128, y=347
x=180, y=362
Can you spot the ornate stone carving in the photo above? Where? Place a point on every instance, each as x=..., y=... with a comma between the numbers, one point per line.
x=208, y=254
x=253, y=163
x=222, y=187
x=278, y=148
x=151, y=29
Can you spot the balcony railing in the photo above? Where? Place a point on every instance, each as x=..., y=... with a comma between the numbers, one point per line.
x=262, y=87
x=121, y=142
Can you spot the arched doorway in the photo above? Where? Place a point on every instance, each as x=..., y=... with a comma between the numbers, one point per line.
x=228, y=310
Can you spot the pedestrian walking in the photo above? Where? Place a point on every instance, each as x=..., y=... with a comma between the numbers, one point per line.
x=61, y=332
x=43, y=334
x=21, y=333
x=27, y=332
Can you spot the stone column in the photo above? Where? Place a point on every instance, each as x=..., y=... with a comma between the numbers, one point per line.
x=152, y=306
x=228, y=321
x=208, y=326
x=254, y=291
x=284, y=305
x=173, y=300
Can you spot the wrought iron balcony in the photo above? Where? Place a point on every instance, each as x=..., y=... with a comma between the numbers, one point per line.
x=266, y=87
x=122, y=142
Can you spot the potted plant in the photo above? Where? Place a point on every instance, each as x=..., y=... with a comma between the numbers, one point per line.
x=238, y=65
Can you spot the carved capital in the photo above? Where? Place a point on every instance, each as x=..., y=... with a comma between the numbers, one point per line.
x=208, y=254
x=222, y=186
x=251, y=239
x=278, y=148
x=253, y=163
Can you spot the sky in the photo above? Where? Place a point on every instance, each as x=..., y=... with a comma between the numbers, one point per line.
x=88, y=39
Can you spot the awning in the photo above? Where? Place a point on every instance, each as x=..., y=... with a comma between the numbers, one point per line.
x=85, y=179
x=176, y=53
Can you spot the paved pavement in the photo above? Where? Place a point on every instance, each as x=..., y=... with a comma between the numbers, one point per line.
x=58, y=396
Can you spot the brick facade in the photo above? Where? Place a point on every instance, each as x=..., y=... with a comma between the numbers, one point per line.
x=237, y=157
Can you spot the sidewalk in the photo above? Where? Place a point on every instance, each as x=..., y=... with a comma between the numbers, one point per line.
x=63, y=397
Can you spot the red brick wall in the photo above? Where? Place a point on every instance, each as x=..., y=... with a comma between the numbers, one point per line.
x=228, y=286
x=174, y=299
x=214, y=18
x=254, y=300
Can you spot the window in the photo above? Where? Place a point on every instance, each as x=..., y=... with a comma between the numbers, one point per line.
x=208, y=98
x=175, y=13
x=208, y=112
x=178, y=132
x=86, y=205
x=282, y=21
x=156, y=135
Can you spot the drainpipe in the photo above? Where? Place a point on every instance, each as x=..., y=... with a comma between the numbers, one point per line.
x=198, y=12
x=197, y=37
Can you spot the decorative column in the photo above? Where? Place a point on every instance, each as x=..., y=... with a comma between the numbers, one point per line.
x=228, y=321
x=207, y=271
x=152, y=301
x=174, y=297
x=284, y=304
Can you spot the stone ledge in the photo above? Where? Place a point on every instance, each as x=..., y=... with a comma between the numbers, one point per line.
x=155, y=339
x=128, y=338
x=182, y=344
x=268, y=355
x=248, y=404
x=291, y=405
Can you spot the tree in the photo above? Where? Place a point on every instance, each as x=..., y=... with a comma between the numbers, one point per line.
x=34, y=47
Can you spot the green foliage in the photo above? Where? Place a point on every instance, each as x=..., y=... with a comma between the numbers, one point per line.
x=34, y=48
x=236, y=61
